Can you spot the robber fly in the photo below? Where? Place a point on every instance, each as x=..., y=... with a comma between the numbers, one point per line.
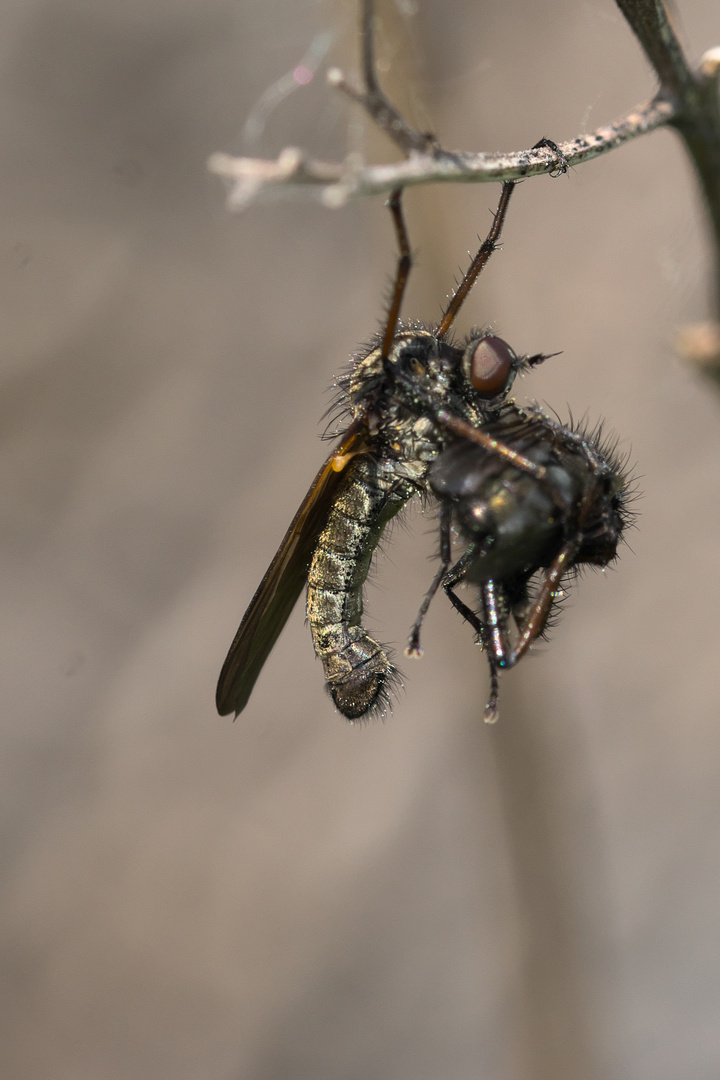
x=542, y=502
x=407, y=397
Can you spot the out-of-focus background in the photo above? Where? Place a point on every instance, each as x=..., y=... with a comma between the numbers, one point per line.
x=290, y=896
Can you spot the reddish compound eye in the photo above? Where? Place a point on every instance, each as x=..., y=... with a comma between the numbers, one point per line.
x=492, y=365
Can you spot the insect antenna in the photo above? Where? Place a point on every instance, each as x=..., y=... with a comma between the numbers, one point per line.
x=484, y=252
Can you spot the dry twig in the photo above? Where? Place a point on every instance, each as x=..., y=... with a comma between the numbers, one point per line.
x=687, y=100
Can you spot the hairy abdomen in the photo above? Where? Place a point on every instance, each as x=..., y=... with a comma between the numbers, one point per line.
x=356, y=667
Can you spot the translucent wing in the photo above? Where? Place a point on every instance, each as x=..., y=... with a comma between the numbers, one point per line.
x=279, y=590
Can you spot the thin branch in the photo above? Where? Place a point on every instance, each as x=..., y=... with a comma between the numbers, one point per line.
x=251, y=178
x=425, y=160
x=383, y=113
x=653, y=29
x=695, y=101
x=687, y=100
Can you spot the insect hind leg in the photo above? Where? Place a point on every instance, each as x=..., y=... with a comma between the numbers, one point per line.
x=481, y=627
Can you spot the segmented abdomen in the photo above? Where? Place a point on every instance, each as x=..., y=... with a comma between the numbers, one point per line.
x=356, y=667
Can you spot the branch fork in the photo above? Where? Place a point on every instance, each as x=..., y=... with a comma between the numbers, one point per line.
x=687, y=100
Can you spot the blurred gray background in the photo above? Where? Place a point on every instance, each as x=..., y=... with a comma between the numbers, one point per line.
x=290, y=897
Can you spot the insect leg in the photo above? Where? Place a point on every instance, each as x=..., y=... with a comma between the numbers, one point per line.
x=401, y=274
x=494, y=618
x=413, y=645
x=491, y=629
x=452, y=578
x=562, y=165
x=476, y=435
x=492, y=709
x=485, y=251
x=537, y=615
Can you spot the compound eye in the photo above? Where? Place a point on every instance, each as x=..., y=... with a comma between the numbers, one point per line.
x=492, y=363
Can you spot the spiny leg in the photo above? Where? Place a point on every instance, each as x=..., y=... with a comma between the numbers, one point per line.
x=484, y=252
x=413, y=645
x=537, y=614
x=494, y=446
x=401, y=274
x=462, y=428
x=535, y=619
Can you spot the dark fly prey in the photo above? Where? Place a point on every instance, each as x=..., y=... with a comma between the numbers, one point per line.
x=414, y=399
x=528, y=525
